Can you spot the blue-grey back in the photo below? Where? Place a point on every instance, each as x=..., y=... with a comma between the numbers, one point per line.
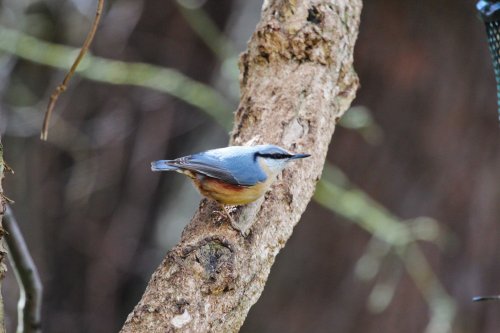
x=235, y=164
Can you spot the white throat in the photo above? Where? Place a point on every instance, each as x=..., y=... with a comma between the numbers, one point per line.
x=272, y=166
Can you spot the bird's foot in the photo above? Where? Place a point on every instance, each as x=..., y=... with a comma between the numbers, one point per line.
x=226, y=214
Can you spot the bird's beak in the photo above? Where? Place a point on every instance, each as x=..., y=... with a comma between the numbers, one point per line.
x=297, y=156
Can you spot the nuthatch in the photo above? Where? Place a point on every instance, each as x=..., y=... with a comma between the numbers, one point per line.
x=235, y=175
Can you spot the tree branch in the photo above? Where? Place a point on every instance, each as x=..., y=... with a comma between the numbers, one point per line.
x=296, y=81
x=64, y=85
x=3, y=269
x=163, y=79
x=30, y=285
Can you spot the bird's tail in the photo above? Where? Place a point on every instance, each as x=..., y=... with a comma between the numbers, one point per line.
x=163, y=165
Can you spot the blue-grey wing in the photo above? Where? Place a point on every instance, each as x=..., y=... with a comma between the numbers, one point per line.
x=236, y=171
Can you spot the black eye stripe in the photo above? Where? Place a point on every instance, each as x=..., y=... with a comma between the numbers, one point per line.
x=276, y=156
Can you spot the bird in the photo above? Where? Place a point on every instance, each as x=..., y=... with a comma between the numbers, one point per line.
x=234, y=175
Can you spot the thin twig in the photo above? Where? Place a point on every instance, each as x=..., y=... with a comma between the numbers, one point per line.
x=486, y=298
x=163, y=79
x=30, y=285
x=63, y=86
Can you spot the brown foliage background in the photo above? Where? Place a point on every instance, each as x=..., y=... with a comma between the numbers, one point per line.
x=98, y=221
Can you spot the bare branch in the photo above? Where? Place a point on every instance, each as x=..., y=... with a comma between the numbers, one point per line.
x=296, y=81
x=163, y=79
x=63, y=86
x=30, y=285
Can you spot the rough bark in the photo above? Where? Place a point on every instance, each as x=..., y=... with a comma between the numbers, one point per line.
x=296, y=81
x=3, y=253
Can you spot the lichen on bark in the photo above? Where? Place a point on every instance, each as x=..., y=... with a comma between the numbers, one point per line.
x=3, y=253
x=296, y=80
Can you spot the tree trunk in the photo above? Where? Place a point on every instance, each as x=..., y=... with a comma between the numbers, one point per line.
x=3, y=253
x=296, y=81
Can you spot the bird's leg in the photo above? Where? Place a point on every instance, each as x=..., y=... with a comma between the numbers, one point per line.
x=224, y=212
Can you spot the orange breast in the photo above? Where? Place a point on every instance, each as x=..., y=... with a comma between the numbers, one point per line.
x=229, y=194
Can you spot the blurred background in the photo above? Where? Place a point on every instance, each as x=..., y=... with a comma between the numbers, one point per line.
x=402, y=232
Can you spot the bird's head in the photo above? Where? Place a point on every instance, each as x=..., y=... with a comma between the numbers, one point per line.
x=275, y=158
